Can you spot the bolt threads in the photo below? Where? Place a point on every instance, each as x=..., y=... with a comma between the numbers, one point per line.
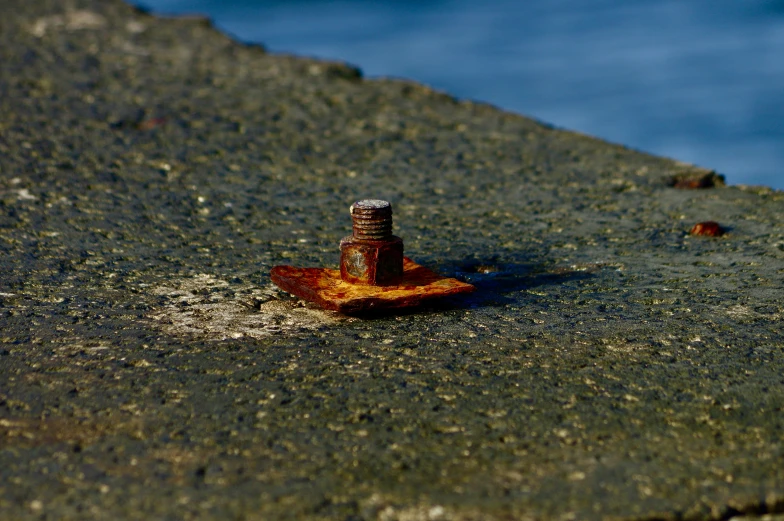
x=372, y=219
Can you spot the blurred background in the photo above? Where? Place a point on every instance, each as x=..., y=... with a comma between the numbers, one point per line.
x=701, y=81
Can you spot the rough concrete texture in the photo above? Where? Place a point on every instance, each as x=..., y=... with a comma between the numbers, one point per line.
x=610, y=366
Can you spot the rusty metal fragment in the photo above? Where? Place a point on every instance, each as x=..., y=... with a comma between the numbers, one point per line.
x=707, y=229
x=326, y=288
x=696, y=180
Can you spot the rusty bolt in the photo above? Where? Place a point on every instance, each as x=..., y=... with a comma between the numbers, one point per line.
x=372, y=255
x=373, y=274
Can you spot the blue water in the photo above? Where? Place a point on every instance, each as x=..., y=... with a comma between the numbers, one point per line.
x=701, y=81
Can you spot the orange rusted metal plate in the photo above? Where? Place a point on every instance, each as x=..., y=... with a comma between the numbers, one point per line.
x=325, y=287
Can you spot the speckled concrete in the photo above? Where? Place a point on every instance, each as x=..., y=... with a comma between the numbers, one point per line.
x=610, y=366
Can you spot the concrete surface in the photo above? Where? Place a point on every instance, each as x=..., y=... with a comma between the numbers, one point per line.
x=152, y=171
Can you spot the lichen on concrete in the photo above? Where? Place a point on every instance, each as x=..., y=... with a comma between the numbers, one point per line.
x=205, y=306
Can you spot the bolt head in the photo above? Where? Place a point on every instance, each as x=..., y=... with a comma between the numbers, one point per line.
x=376, y=263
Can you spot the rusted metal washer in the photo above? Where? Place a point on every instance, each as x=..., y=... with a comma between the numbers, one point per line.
x=326, y=288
